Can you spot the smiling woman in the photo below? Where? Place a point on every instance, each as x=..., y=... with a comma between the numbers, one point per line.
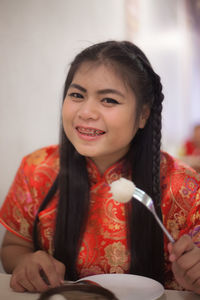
x=62, y=221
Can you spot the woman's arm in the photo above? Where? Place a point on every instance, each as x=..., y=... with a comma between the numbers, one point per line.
x=12, y=249
x=29, y=268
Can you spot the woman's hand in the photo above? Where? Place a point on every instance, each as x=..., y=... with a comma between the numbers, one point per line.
x=36, y=272
x=185, y=258
x=31, y=271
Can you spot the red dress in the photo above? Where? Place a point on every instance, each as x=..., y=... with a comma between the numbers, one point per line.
x=104, y=247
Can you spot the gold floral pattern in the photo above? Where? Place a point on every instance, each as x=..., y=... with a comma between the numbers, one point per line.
x=116, y=255
x=37, y=157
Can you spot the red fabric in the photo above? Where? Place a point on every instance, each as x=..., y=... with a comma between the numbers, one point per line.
x=104, y=247
x=34, y=177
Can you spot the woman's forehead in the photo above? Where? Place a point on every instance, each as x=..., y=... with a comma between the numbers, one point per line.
x=107, y=68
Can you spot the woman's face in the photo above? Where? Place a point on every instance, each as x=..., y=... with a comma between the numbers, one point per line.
x=99, y=114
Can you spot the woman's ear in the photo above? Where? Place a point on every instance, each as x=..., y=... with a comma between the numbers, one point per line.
x=144, y=116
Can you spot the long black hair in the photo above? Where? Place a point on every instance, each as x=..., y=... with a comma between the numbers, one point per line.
x=144, y=235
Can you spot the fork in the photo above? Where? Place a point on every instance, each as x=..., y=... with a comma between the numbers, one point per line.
x=146, y=200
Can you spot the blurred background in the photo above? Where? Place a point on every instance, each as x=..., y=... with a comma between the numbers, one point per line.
x=38, y=40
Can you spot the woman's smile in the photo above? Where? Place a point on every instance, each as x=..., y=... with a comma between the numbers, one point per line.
x=89, y=132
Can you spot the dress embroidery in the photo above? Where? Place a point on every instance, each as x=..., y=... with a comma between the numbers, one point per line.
x=104, y=246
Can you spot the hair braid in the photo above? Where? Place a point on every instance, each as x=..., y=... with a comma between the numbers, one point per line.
x=156, y=125
x=146, y=153
x=156, y=188
x=156, y=143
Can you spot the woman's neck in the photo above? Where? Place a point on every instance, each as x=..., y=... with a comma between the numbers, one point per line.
x=103, y=165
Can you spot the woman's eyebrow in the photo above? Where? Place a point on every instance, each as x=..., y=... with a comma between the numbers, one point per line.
x=77, y=86
x=101, y=92
x=110, y=91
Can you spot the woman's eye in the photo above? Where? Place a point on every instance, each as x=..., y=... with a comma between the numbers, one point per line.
x=110, y=101
x=76, y=95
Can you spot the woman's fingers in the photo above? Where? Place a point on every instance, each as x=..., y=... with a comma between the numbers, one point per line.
x=185, y=258
x=183, y=245
x=47, y=275
x=188, y=266
x=60, y=268
x=51, y=275
x=53, y=271
x=193, y=274
x=36, y=272
x=16, y=286
x=36, y=280
x=20, y=283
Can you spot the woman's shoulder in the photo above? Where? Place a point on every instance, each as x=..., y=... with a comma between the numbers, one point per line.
x=171, y=164
x=178, y=177
x=42, y=154
x=46, y=157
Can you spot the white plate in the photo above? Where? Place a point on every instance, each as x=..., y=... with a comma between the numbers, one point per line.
x=129, y=287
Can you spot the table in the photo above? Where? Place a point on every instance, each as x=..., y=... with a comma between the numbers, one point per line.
x=7, y=294
x=179, y=295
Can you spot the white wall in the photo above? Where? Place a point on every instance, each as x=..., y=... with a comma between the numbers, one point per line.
x=38, y=39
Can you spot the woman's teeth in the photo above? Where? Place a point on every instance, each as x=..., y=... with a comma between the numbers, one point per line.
x=90, y=131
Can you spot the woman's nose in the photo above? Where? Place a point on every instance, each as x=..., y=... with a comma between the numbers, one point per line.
x=88, y=110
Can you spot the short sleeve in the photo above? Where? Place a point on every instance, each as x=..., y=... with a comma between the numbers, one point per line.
x=18, y=210
x=193, y=220
x=180, y=197
x=32, y=182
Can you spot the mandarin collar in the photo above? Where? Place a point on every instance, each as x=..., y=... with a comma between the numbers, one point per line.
x=114, y=172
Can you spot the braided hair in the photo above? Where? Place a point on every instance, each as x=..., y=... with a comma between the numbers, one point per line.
x=144, y=235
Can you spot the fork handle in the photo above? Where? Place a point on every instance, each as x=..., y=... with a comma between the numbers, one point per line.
x=170, y=238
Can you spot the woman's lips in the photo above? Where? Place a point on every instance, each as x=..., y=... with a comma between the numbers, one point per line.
x=89, y=131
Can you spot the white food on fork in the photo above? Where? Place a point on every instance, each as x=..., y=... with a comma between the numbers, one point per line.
x=124, y=190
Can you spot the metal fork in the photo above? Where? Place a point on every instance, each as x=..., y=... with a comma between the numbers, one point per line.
x=147, y=201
